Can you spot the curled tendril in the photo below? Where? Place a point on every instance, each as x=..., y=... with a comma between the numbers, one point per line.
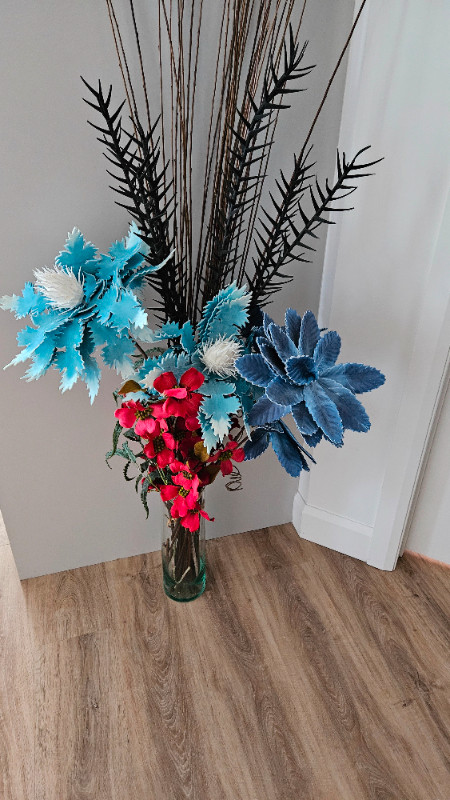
x=234, y=484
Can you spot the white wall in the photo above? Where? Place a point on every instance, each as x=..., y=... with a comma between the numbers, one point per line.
x=62, y=507
x=381, y=277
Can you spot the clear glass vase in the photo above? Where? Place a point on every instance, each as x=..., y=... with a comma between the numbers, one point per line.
x=183, y=557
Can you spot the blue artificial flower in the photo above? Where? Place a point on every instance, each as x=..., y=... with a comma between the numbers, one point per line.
x=296, y=367
x=85, y=301
x=288, y=450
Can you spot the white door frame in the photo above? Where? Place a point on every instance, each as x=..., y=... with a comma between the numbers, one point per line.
x=419, y=409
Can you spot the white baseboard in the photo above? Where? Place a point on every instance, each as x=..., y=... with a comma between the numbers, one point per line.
x=330, y=530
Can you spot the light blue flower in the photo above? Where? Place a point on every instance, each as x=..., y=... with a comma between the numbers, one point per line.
x=85, y=301
x=212, y=349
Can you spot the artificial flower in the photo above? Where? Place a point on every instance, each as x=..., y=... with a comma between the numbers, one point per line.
x=191, y=520
x=60, y=287
x=219, y=356
x=86, y=301
x=160, y=446
x=182, y=399
x=224, y=457
x=296, y=366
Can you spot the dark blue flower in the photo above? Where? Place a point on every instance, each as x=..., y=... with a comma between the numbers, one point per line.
x=296, y=366
x=289, y=452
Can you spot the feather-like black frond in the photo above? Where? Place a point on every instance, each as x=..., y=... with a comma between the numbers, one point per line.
x=145, y=193
x=283, y=240
x=242, y=180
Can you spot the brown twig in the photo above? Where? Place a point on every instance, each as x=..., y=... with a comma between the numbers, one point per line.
x=333, y=75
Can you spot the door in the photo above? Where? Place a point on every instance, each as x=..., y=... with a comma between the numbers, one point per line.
x=429, y=528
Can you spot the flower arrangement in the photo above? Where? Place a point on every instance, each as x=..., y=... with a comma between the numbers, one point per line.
x=212, y=385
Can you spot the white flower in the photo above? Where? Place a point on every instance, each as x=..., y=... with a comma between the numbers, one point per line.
x=59, y=286
x=219, y=356
x=147, y=382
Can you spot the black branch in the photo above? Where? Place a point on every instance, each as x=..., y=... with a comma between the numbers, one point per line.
x=280, y=239
x=241, y=185
x=144, y=192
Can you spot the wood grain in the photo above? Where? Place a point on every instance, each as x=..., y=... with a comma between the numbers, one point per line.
x=16, y=687
x=300, y=673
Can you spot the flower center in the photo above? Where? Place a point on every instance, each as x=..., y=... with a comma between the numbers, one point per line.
x=159, y=444
x=145, y=413
x=183, y=492
x=224, y=456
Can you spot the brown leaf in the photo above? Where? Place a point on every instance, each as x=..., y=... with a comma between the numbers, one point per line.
x=130, y=386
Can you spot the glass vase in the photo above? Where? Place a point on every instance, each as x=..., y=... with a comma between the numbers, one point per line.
x=183, y=557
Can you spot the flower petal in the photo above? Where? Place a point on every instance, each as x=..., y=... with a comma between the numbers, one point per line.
x=226, y=467
x=327, y=350
x=168, y=492
x=257, y=445
x=309, y=334
x=270, y=355
x=126, y=416
x=192, y=379
x=324, y=412
x=239, y=455
x=165, y=381
x=283, y=344
x=356, y=377
x=351, y=411
x=289, y=456
x=313, y=439
x=293, y=323
x=169, y=440
x=301, y=370
x=191, y=521
x=284, y=392
x=179, y=392
x=255, y=369
x=265, y=411
x=164, y=458
x=303, y=419
x=147, y=427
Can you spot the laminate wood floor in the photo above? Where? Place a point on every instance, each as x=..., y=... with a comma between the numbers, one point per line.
x=300, y=674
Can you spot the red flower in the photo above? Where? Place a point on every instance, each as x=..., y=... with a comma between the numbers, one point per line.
x=224, y=456
x=184, y=500
x=185, y=478
x=182, y=400
x=191, y=520
x=126, y=414
x=184, y=506
x=161, y=446
x=131, y=411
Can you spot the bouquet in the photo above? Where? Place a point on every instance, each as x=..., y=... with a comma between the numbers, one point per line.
x=213, y=384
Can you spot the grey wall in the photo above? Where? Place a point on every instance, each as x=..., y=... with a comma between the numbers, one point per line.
x=62, y=507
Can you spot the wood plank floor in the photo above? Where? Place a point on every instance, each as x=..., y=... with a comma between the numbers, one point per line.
x=300, y=674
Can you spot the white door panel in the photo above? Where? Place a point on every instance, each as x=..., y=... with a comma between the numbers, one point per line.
x=429, y=532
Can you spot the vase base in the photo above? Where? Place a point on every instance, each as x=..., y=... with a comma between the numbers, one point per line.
x=184, y=591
